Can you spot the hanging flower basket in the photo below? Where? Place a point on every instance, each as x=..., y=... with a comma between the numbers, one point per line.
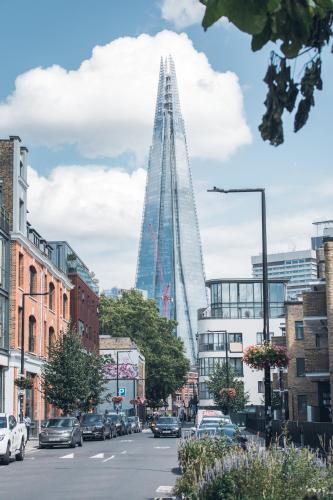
x=117, y=399
x=266, y=355
x=228, y=391
x=24, y=383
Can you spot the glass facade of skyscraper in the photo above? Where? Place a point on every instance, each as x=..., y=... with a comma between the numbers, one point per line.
x=170, y=264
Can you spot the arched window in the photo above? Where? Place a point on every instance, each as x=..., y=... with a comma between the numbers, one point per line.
x=64, y=305
x=51, y=296
x=32, y=334
x=32, y=280
x=51, y=336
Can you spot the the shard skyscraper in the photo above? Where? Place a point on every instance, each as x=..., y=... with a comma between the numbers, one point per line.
x=170, y=263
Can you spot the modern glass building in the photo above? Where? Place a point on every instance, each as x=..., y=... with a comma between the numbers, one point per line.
x=170, y=263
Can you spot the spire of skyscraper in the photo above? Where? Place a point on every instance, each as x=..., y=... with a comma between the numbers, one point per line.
x=170, y=263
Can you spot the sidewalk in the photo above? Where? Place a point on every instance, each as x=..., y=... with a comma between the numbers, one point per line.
x=32, y=444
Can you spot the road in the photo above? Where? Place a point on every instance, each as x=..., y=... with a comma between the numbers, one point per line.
x=133, y=467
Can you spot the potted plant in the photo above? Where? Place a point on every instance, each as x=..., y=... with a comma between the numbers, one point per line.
x=266, y=355
x=24, y=383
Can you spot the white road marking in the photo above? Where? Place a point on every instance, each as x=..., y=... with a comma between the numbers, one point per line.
x=123, y=452
x=126, y=441
x=70, y=455
x=164, y=489
x=99, y=455
x=146, y=430
x=161, y=447
x=107, y=459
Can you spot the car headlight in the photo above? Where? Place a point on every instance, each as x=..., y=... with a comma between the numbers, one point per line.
x=2, y=437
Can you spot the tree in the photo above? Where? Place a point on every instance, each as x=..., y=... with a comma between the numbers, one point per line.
x=304, y=28
x=228, y=391
x=72, y=379
x=133, y=316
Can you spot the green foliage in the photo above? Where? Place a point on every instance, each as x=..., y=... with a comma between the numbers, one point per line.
x=276, y=474
x=219, y=380
x=301, y=26
x=195, y=456
x=72, y=379
x=133, y=316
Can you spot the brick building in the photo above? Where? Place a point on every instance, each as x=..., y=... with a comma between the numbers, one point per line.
x=31, y=272
x=309, y=330
x=84, y=294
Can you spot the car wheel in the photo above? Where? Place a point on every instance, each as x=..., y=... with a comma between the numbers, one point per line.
x=20, y=456
x=72, y=443
x=155, y=436
x=80, y=443
x=6, y=457
x=110, y=434
x=103, y=436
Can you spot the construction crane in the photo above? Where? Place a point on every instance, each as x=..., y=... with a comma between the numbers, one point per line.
x=165, y=287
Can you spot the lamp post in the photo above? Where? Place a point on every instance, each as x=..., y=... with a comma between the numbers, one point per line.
x=24, y=295
x=268, y=396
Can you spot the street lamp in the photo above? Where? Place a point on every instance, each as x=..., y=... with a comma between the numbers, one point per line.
x=24, y=295
x=268, y=396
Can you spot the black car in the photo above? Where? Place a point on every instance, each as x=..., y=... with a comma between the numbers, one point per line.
x=167, y=426
x=60, y=431
x=118, y=422
x=95, y=426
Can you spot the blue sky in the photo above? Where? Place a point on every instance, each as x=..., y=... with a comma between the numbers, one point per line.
x=297, y=175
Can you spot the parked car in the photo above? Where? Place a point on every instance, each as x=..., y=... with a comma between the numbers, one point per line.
x=113, y=421
x=13, y=438
x=95, y=426
x=167, y=426
x=135, y=424
x=225, y=419
x=230, y=431
x=118, y=422
x=60, y=431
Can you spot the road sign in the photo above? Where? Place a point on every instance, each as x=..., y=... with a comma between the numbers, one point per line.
x=122, y=391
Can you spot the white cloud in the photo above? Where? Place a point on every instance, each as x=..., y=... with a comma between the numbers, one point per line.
x=97, y=210
x=182, y=13
x=106, y=106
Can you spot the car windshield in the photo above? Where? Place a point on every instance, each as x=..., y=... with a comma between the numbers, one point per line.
x=3, y=423
x=131, y=419
x=91, y=419
x=59, y=422
x=113, y=418
x=167, y=420
x=228, y=430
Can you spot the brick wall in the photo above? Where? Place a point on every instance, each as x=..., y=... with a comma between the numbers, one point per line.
x=6, y=175
x=328, y=248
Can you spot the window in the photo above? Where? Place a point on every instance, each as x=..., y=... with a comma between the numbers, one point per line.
x=51, y=336
x=235, y=342
x=19, y=326
x=81, y=328
x=32, y=280
x=261, y=386
x=300, y=367
x=260, y=337
x=32, y=334
x=51, y=296
x=64, y=305
x=299, y=330
x=204, y=392
x=20, y=270
x=237, y=365
x=21, y=215
x=212, y=341
x=318, y=340
x=207, y=365
x=302, y=402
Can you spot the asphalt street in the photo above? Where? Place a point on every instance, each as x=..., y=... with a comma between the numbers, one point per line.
x=131, y=467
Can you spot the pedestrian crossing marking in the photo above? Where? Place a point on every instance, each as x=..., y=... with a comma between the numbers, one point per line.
x=107, y=459
x=99, y=455
x=164, y=489
x=161, y=447
x=70, y=455
x=126, y=441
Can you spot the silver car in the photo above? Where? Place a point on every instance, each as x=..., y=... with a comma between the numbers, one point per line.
x=60, y=431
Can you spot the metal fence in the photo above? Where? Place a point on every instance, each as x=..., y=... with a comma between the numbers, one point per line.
x=316, y=435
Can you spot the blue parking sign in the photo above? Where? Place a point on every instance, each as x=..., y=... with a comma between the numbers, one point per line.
x=122, y=391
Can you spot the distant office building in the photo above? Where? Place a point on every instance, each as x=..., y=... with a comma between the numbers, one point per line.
x=84, y=295
x=324, y=229
x=170, y=263
x=298, y=267
x=233, y=322
x=116, y=293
